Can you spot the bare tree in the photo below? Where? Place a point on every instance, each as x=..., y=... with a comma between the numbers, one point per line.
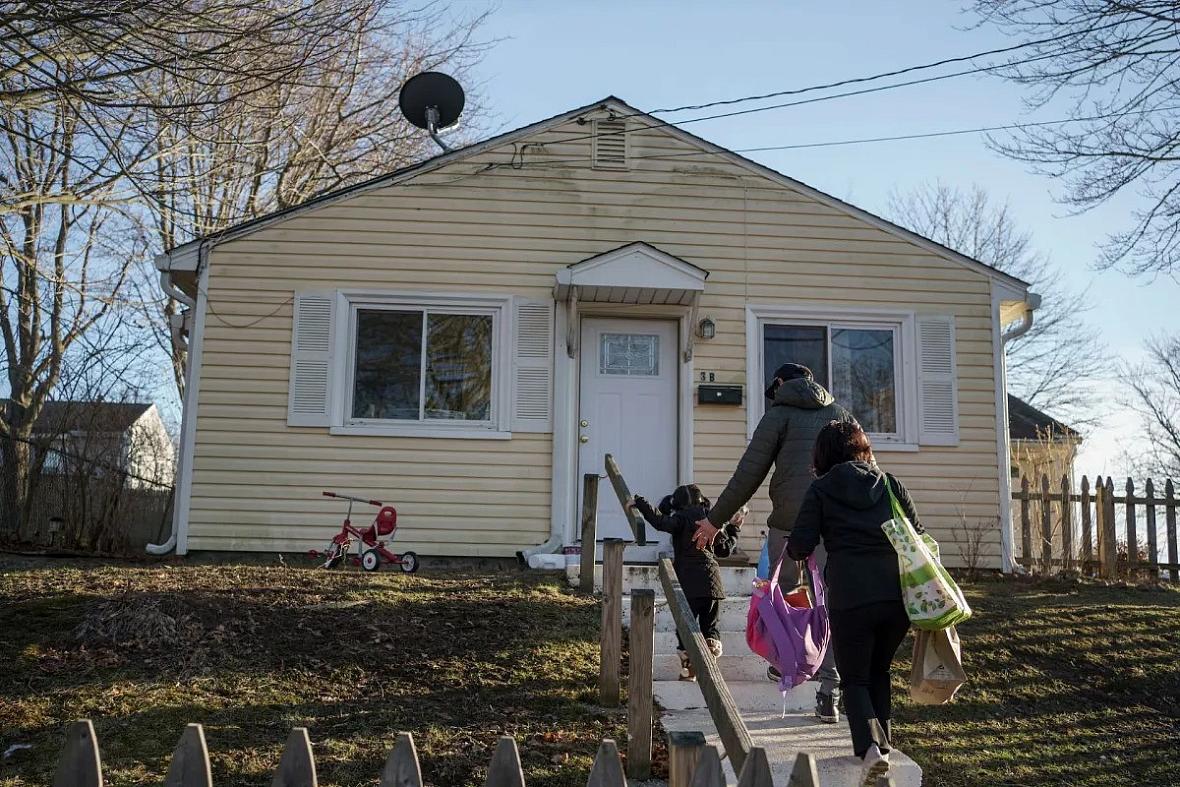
x=1117, y=65
x=1053, y=365
x=1155, y=397
x=98, y=103
x=331, y=124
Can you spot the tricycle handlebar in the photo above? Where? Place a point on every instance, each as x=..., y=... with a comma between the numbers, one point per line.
x=377, y=503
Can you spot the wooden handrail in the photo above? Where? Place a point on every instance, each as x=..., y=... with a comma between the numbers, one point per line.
x=638, y=526
x=734, y=735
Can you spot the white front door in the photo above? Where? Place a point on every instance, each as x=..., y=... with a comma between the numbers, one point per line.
x=629, y=408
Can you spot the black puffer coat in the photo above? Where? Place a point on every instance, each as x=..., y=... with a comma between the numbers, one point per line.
x=784, y=439
x=846, y=507
x=695, y=568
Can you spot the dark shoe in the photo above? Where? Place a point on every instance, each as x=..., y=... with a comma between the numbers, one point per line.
x=825, y=708
x=773, y=675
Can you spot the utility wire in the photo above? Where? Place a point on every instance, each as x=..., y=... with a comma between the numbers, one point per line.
x=881, y=75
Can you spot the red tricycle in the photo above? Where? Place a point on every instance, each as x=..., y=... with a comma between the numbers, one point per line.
x=370, y=545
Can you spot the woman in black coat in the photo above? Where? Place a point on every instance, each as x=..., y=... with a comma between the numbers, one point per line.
x=845, y=506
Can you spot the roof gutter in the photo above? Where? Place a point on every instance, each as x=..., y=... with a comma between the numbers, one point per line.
x=1031, y=303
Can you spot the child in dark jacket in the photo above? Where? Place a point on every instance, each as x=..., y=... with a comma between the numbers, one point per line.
x=696, y=569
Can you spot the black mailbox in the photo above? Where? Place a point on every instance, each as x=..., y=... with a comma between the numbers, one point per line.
x=719, y=394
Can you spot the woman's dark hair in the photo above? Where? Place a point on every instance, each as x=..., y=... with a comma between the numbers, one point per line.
x=840, y=441
x=688, y=495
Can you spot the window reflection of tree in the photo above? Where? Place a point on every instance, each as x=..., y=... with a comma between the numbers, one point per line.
x=388, y=364
x=459, y=367
x=863, y=365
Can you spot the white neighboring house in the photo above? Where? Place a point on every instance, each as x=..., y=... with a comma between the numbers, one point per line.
x=114, y=436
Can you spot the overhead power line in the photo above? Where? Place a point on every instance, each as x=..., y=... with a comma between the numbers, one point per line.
x=883, y=74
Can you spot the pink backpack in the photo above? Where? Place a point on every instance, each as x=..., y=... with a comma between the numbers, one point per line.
x=793, y=639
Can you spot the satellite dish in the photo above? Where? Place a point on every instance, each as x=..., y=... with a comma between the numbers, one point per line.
x=432, y=101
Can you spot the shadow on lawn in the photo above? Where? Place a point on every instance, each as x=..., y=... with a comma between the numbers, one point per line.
x=456, y=660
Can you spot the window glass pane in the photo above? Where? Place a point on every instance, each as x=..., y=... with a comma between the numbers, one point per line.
x=388, y=375
x=459, y=367
x=863, y=376
x=629, y=354
x=802, y=344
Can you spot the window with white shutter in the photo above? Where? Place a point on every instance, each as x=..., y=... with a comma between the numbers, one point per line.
x=311, y=344
x=532, y=401
x=938, y=407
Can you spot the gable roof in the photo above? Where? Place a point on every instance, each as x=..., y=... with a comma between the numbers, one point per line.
x=60, y=417
x=1026, y=422
x=189, y=251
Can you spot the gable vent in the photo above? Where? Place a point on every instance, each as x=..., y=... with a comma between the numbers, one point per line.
x=610, y=144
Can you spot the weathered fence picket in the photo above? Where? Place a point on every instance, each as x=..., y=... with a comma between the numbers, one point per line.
x=608, y=768
x=402, y=768
x=640, y=706
x=505, y=770
x=296, y=765
x=589, y=531
x=190, y=761
x=80, y=764
x=1138, y=554
x=805, y=773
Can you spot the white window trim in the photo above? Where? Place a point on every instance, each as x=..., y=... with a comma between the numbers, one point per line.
x=498, y=306
x=757, y=316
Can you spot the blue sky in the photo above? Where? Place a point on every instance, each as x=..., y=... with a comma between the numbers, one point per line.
x=657, y=53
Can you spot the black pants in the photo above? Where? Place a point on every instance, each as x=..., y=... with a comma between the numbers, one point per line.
x=865, y=639
x=707, y=611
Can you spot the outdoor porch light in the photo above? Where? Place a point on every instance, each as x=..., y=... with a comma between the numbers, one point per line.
x=707, y=329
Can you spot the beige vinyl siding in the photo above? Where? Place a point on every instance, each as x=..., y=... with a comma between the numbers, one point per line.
x=507, y=231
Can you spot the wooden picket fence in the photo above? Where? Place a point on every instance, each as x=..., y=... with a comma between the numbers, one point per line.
x=693, y=763
x=1108, y=548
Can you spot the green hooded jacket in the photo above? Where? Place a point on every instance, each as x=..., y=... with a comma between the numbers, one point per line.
x=784, y=439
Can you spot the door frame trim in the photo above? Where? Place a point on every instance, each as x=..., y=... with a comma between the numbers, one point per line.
x=566, y=388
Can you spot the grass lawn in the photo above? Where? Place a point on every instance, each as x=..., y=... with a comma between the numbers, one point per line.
x=1070, y=684
x=251, y=651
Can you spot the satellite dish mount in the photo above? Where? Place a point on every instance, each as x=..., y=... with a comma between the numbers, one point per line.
x=432, y=101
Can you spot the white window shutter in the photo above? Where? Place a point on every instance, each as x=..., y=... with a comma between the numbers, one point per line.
x=311, y=348
x=938, y=394
x=532, y=371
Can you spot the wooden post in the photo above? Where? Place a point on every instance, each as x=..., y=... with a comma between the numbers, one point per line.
x=1153, y=560
x=1087, y=528
x=1066, y=524
x=589, y=531
x=190, y=761
x=708, y=772
x=296, y=766
x=1132, y=535
x=80, y=764
x=1046, y=526
x=722, y=708
x=505, y=770
x=608, y=769
x=612, y=622
x=1100, y=526
x=684, y=752
x=1110, y=534
x=1170, y=503
x=1025, y=526
x=805, y=773
x=401, y=767
x=756, y=770
x=638, y=525
x=639, y=687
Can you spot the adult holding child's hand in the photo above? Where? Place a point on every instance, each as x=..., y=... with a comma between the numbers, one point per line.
x=797, y=409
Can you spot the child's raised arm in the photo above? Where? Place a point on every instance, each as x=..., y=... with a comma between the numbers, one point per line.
x=664, y=524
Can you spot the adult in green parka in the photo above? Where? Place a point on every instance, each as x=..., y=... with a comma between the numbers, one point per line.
x=798, y=408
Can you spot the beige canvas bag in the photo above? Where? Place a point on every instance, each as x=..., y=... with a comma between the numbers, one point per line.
x=938, y=666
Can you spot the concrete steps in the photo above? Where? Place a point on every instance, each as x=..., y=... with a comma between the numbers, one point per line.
x=733, y=613
x=737, y=581
x=784, y=738
x=753, y=695
x=743, y=666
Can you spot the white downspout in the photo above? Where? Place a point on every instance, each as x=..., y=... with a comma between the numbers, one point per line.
x=176, y=327
x=1032, y=303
